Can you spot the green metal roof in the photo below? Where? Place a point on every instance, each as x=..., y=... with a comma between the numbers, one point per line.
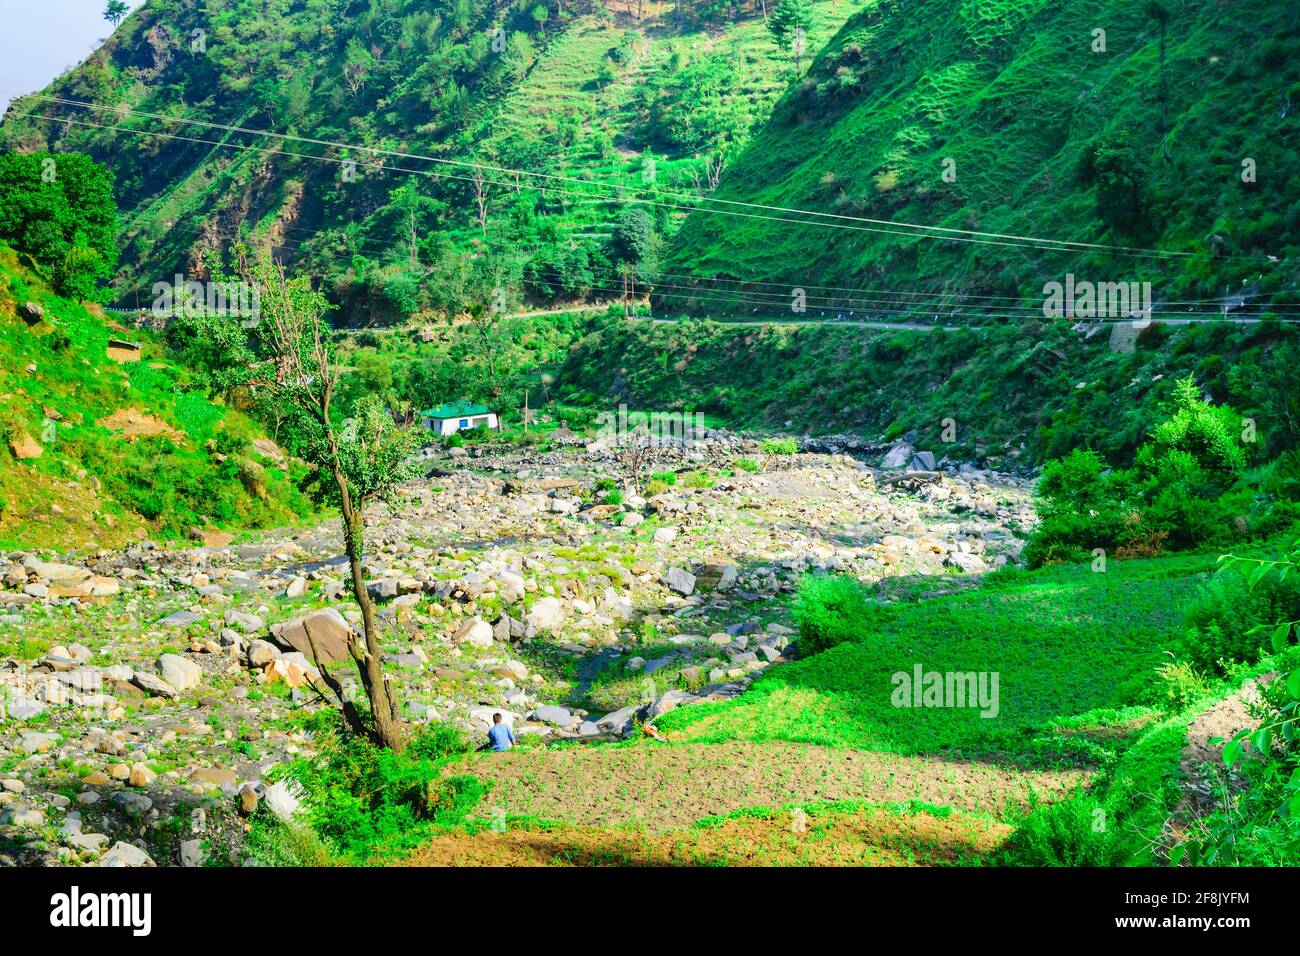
x=461, y=409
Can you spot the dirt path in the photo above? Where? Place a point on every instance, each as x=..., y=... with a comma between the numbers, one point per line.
x=662, y=787
x=1202, y=762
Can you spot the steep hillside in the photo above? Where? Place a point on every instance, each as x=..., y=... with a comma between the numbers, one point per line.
x=101, y=444
x=652, y=97
x=1179, y=135
x=1017, y=394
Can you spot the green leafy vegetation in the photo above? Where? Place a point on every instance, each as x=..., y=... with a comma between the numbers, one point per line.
x=363, y=801
x=1015, y=119
x=59, y=211
x=1064, y=641
x=1188, y=486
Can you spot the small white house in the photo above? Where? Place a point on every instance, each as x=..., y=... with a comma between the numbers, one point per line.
x=453, y=417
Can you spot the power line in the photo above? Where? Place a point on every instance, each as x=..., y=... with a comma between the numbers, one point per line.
x=509, y=185
x=926, y=231
x=746, y=297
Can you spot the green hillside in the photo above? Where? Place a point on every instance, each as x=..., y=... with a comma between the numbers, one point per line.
x=1141, y=145
x=1018, y=393
x=99, y=452
x=645, y=97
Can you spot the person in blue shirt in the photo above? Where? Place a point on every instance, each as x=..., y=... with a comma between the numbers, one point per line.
x=500, y=737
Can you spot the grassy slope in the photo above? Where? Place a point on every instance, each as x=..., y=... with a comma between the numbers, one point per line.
x=111, y=490
x=1012, y=92
x=564, y=86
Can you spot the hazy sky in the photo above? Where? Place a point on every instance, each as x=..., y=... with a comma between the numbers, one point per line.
x=39, y=39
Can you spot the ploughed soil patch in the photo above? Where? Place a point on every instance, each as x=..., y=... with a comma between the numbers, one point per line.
x=663, y=786
x=864, y=837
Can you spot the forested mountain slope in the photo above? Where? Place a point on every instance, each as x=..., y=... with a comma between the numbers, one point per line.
x=652, y=97
x=1169, y=124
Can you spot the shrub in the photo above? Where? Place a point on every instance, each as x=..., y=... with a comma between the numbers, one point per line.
x=1064, y=834
x=1180, y=684
x=780, y=446
x=1223, y=626
x=1176, y=495
x=362, y=800
x=697, y=479
x=747, y=464
x=831, y=609
x=1084, y=507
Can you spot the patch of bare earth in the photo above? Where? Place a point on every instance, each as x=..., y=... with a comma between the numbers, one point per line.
x=661, y=787
x=131, y=423
x=867, y=837
x=1204, y=773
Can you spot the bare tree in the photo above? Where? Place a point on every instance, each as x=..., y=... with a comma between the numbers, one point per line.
x=636, y=451
x=364, y=459
x=712, y=167
x=480, y=197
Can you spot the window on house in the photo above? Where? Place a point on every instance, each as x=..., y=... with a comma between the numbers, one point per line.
x=464, y=423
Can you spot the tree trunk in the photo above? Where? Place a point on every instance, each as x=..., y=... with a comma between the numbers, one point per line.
x=384, y=711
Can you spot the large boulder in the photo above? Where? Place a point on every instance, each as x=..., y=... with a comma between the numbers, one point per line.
x=897, y=456
x=153, y=686
x=969, y=563
x=476, y=632
x=510, y=587
x=283, y=799
x=54, y=573
x=546, y=615
x=124, y=854
x=716, y=577
x=179, y=672
x=680, y=580
x=322, y=636
x=24, y=446
x=248, y=623
x=922, y=461
x=555, y=715
x=619, y=721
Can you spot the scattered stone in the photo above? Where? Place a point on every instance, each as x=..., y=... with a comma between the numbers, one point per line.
x=322, y=636
x=680, y=580
x=124, y=854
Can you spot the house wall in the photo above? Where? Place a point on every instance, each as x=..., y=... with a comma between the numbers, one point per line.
x=450, y=426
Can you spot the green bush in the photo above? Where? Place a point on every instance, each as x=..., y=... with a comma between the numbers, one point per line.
x=831, y=609
x=780, y=446
x=697, y=479
x=1179, y=494
x=1073, y=832
x=1084, y=507
x=747, y=464
x=1223, y=626
x=362, y=800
